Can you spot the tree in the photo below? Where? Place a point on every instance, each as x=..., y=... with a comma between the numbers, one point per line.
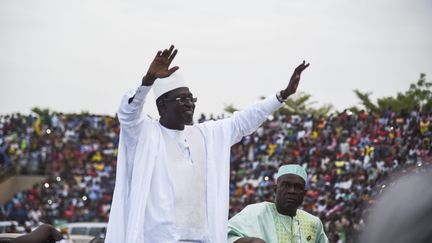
x=230, y=109
x=417, y=97
x=365, y=101
x=41, y=112
x=300, y=104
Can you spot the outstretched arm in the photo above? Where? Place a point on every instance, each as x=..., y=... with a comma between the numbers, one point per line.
x=249, y=119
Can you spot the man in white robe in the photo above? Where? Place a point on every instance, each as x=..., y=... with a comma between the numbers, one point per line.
x=172, y=181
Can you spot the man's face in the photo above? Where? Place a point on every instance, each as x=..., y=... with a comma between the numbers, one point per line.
x=179, y=107
x=289, y=192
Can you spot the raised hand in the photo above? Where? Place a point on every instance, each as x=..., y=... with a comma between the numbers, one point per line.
x=294, y=81
x=159, y=68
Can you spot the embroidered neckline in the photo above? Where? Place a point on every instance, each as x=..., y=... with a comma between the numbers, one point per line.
x=280, y=220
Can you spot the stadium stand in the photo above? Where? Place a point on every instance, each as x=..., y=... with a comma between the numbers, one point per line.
x=348, y=157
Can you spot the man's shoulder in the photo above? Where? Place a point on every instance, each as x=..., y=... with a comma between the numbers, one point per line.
x=259, y=208
x=212, y=125
x=253, y=211
x=309, y=217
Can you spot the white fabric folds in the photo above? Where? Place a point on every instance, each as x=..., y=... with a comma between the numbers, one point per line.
x=143, y=207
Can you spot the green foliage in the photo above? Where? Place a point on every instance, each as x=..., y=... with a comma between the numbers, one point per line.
x=417, y=97
x=85, y=113
x=300, y=104
x=40, y=112
x=365, y=101
x=354, y=109
x=230, y=109
x=323, y=110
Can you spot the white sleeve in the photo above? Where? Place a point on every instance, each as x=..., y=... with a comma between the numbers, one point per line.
x=130, y=114
x=248, y=120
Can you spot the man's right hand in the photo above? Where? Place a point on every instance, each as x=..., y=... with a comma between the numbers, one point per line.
x=159, y=68
x=249, y=240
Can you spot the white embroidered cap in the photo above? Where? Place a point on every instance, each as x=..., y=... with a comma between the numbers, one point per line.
x=163, y=85
x=292, y=169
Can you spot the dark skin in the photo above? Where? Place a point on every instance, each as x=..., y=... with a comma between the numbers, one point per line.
x=174, y=114
x=294, y=81
x=159, y=68
x=171, y=117
x=43, y=234
x=249, y=240
x=290, y=190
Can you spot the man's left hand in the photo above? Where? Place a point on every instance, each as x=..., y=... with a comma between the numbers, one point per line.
x=294, y=81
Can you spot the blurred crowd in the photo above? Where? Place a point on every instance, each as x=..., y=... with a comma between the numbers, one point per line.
x=77, y=153
x=348, y=156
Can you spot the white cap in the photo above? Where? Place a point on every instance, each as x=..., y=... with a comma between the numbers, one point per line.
x=292, y=169
x=163, y=85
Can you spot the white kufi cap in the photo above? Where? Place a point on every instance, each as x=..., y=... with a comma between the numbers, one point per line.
x=292, y=169
x=163, y=85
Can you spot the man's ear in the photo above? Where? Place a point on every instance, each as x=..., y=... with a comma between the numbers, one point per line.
x=161, y=106
x=160, y=102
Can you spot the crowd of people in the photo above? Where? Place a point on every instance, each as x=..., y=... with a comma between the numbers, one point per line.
x=348, y=156
x=78, y=155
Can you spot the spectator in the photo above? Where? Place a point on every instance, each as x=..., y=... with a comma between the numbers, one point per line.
x=67, y=144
